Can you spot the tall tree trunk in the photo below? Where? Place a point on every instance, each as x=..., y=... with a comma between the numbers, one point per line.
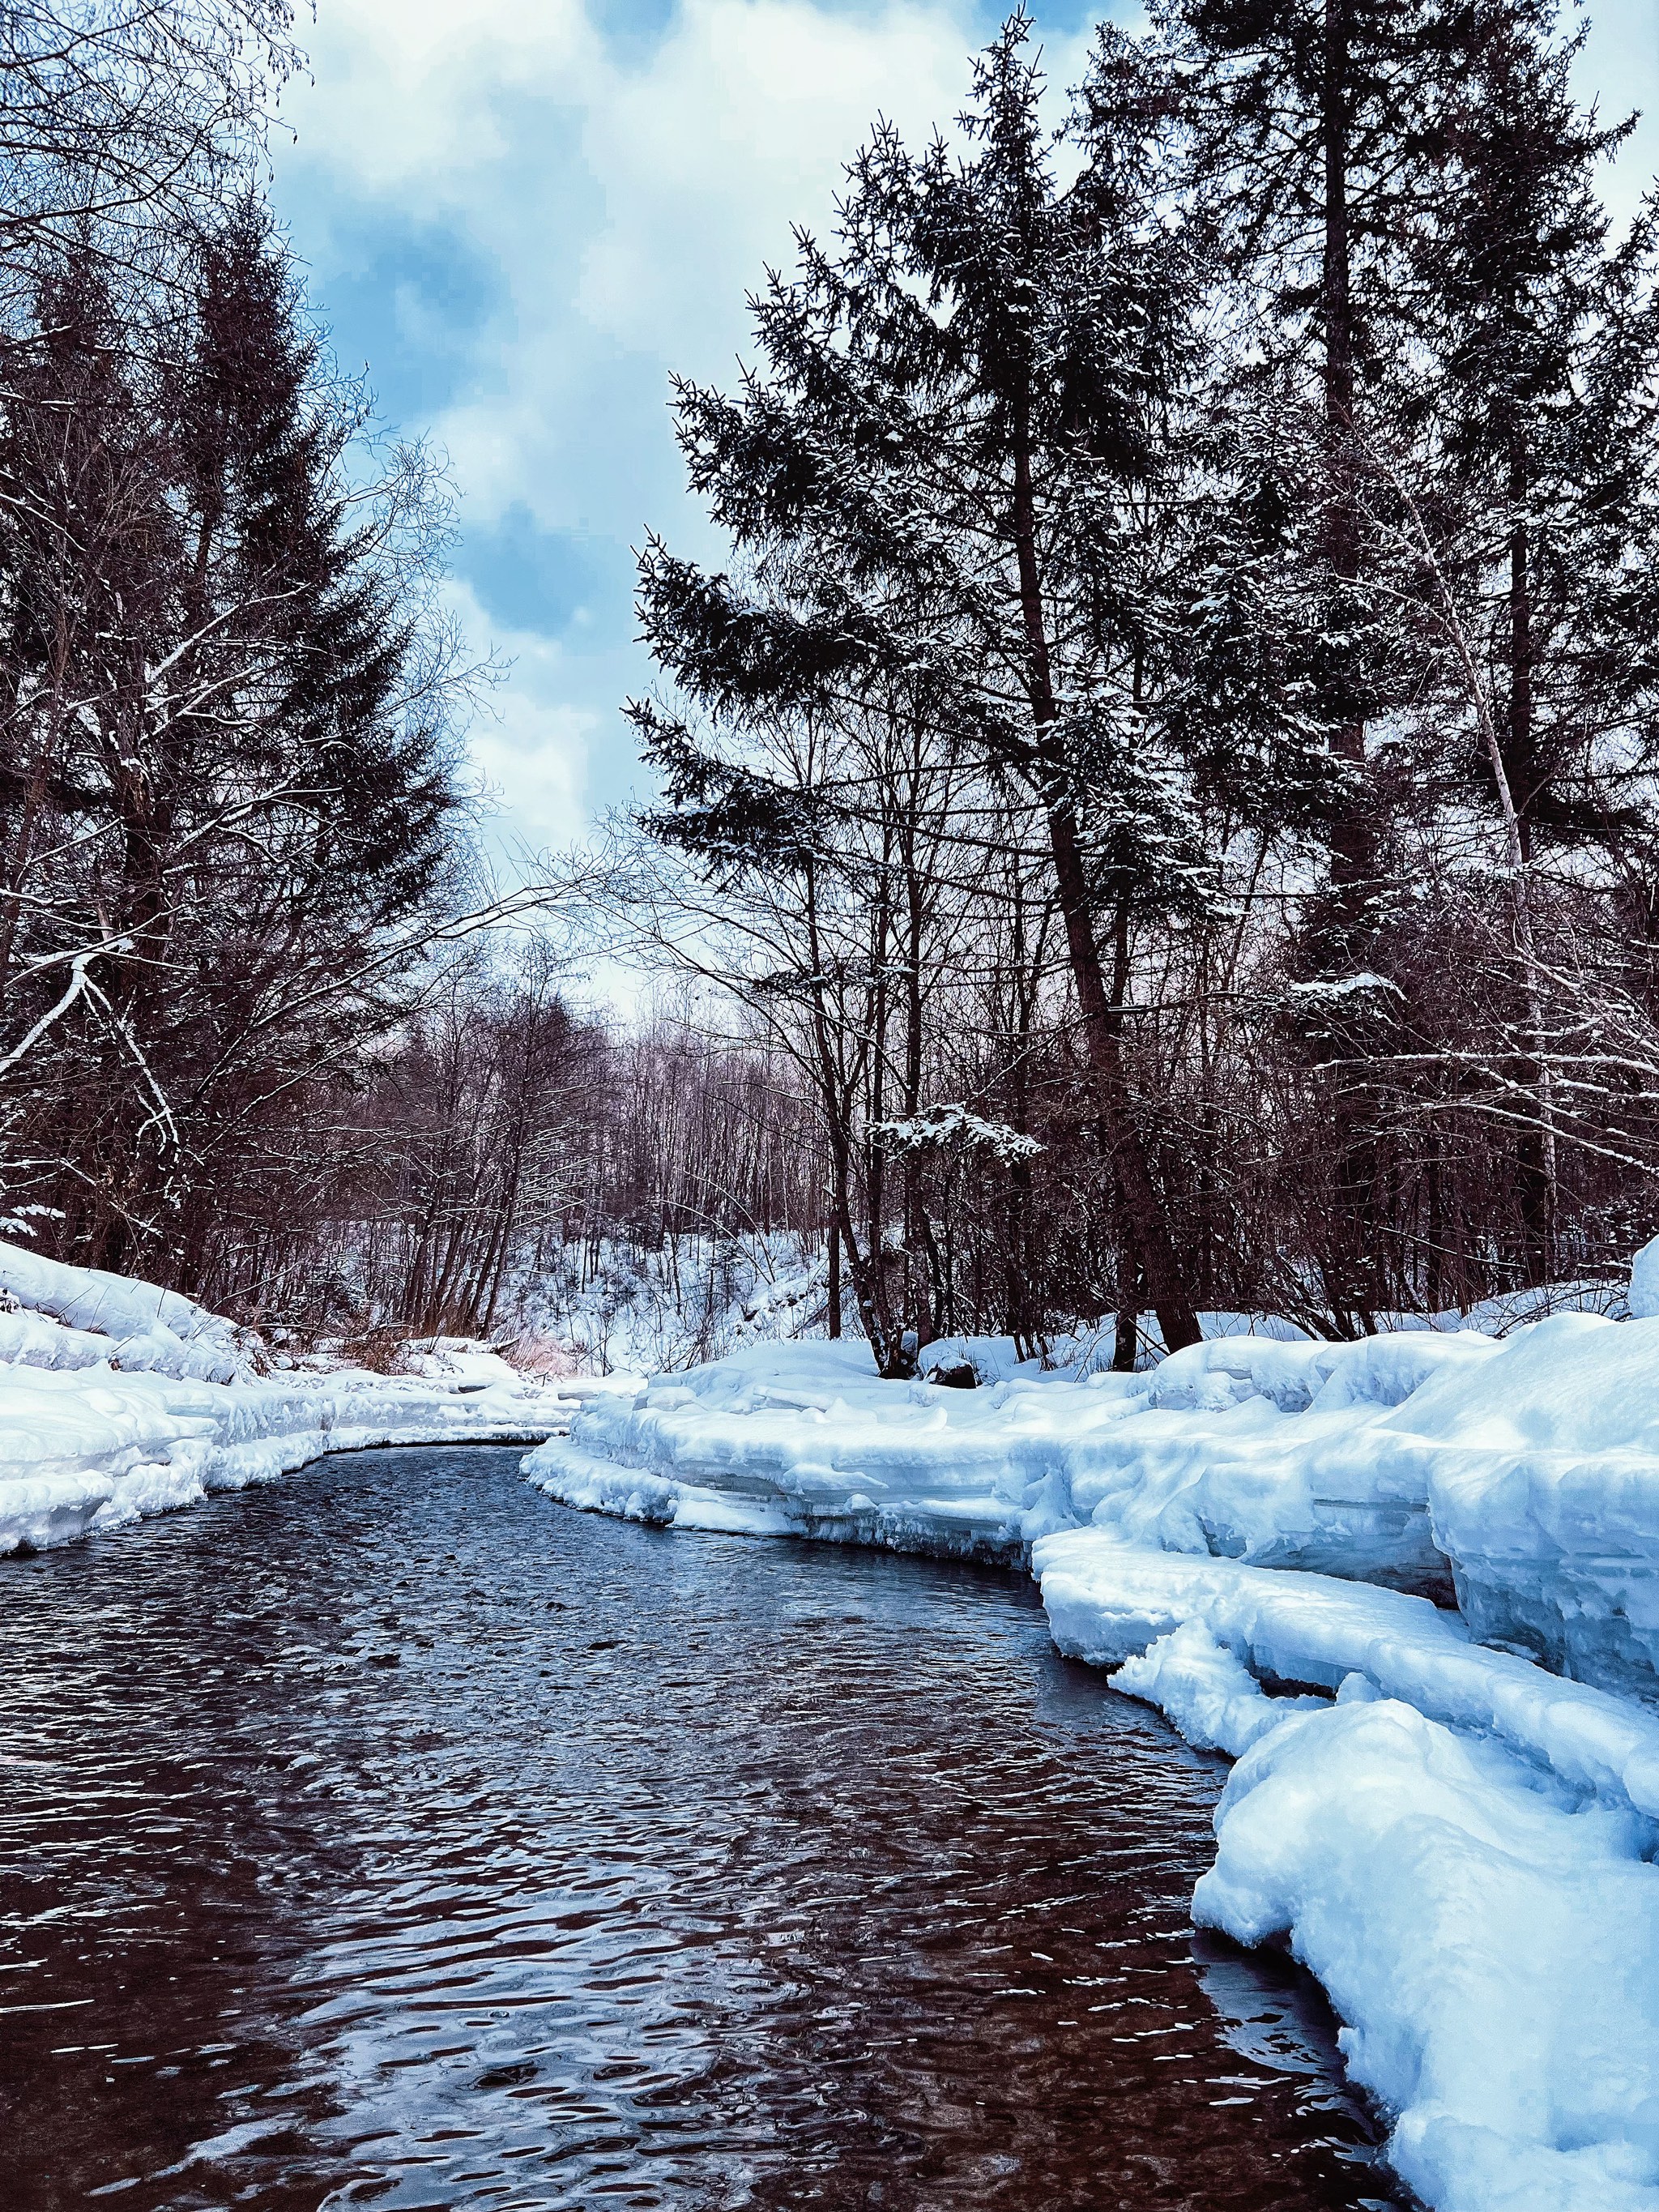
x=1349, y=848
x=1101, y=1028
x=1532, y=1175
x=1352, y=858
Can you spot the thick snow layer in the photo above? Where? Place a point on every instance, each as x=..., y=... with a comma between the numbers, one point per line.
x=117, y=1399
x=1494, y=1953
x=1542, y=1471
x=1643, y=1298
x=1524, y=1471
x=111, y=1318
x=1109, y=1601
x=1247, y=1445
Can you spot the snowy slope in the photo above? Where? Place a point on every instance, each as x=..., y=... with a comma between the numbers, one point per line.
x=118, y=1399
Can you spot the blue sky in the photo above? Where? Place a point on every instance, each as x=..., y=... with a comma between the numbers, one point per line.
x=520, y=214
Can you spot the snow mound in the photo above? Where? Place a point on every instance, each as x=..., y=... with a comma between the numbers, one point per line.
x=1455, y=1845
x=1495, y=1954
x=102, y=1318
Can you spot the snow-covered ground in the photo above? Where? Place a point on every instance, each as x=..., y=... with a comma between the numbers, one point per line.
x=1456, y=1837
x=618, y=1308
x=118, y=1399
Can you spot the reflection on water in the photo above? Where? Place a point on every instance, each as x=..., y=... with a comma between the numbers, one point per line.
x=394, y=1837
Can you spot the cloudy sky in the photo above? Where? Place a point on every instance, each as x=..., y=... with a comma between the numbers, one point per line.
x=520, y=214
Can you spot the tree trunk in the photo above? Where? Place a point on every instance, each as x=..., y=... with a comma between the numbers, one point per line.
x=1532, y=1175
x=1350, y=847
x=1100, y=1031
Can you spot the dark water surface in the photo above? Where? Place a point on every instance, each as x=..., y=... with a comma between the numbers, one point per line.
x=394, y=1837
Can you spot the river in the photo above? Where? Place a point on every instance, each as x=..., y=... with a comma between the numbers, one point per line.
x=391, y=1836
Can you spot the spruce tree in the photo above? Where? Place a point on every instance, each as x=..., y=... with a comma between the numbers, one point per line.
x=955, y=472
x=1517, y=465
x=1312, y=128
x=1311, y=124
x=224, y=775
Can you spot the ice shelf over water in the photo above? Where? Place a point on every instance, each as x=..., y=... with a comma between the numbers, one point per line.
x=1455, y=1838
x=1525, y=1471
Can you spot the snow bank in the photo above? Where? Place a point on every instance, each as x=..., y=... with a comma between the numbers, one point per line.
x=118, y=1399
x=802, y=1438
x=52, y=1315
x=1494, y=1953
x=1247, y=1446
x=1455, y=1846
x=1542, y=1472
x=1522, y=1473
x=1108, y=1602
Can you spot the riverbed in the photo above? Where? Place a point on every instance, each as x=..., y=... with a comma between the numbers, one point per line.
x=391, y=1836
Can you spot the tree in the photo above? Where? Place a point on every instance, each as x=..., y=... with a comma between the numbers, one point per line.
x=953, y=480
x=1530, y=453
x=225, y=748
x=123, y=126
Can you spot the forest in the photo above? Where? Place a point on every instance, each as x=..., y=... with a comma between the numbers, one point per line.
x=1158, y=812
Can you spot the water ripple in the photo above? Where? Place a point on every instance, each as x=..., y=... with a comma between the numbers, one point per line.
x=392, y=1837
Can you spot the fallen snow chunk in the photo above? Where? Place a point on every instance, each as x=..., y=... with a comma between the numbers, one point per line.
x=1215, y=1702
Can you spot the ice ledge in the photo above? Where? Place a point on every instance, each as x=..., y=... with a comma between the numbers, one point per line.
x=983, y=1528
x=86, y=1450
x=1109, y=1601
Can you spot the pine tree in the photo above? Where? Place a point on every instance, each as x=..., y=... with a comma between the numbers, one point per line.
x=1512, y=267
x=1312, y=123
x=955, y=476
x=227, y=791
x=1312, y=128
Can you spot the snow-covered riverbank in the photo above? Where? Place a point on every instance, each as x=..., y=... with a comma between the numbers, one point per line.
x=1457, y=1839
x=118, y=1399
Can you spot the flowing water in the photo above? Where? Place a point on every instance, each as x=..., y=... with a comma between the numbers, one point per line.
x=392, y=1836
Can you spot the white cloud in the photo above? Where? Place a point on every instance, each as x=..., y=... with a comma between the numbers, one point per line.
x=626, y=206
x=739, y=127
x=531, y=745
x=619, y=199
